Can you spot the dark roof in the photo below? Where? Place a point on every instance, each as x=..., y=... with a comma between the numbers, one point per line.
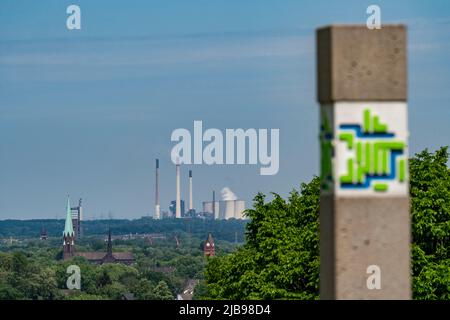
x=108, y=256
x=91, y=255
x=98, y=256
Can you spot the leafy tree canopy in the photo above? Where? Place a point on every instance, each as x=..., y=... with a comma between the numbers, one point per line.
x=280, y=259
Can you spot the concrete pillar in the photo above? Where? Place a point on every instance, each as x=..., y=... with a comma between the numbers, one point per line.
x=364, y=204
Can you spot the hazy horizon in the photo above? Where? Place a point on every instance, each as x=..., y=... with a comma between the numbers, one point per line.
x=86, y=112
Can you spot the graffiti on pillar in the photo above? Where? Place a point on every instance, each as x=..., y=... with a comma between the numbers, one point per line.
x=376, y=155
x=326, y=148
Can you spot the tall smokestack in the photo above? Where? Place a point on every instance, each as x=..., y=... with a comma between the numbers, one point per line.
x=214, y=204
x=178, y=200
x=80, y=219
x=191, y=205
x=157, y=207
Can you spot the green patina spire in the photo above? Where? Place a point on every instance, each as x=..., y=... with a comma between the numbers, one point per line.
x=68, y=227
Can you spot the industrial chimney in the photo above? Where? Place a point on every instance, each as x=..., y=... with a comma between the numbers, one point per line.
x=157, y=207
x=178, y=199
x=214, y=204
x=80, y=219
x=191, y=205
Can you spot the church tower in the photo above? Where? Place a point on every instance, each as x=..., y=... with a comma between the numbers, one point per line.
x=208, y=248
x=109, y=246
x=68, y=234
x=109, y=257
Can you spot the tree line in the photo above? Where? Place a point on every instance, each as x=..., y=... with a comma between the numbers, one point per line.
x=230, y=230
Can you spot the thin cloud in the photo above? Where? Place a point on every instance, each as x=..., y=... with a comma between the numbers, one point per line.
x=138, y=52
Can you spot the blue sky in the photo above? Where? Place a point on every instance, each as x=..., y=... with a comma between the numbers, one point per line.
x=86, y=112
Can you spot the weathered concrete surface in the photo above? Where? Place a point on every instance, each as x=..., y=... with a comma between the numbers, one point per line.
x=358, y=232
x=358, y=64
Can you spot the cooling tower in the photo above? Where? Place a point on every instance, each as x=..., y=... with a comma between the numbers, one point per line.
x=225, y=209
x=239, y=209
x=208, y=207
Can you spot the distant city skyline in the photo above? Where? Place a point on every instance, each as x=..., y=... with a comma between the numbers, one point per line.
x=86, y=112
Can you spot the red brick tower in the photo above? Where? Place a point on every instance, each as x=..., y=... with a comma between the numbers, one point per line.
x=208, y=248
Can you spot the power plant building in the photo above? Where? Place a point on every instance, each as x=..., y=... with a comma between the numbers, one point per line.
x=173, y=208
x=225, y=209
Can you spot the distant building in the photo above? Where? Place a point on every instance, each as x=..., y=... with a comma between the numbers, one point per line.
x=188, y=291
x=207, y=215
x=166, y=214
x=44, y=234
x=77, y=220
x=191, y=213
x=109, y=257
x=208, y=247
x=173, y=206
x=94, y=257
